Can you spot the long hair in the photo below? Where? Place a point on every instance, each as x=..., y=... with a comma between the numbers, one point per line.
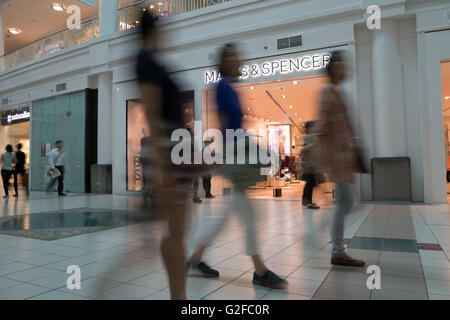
x=336, y=56
x=225, y=52
x=148, y=24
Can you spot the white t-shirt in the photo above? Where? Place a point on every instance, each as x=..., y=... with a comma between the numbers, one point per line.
x=56, y=158
x=7, y=161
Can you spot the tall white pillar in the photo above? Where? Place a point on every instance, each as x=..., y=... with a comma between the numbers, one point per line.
x=105, y=100
x=108, y=16
x=2, y=39
x=389, y=108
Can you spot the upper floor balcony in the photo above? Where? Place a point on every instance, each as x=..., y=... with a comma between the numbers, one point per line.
x=127, y=17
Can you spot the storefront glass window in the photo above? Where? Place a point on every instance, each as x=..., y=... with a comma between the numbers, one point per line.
x=138, y=128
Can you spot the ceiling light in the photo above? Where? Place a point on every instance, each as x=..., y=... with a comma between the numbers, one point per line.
x=160, y=3
x=14, y=31
x=284, y=97
x=296, y=113
x=57, y=7
x=295, y=83
x=447, y=97
x=252, y=88
x=290, y=107
x=249, y=109
x=152, y=7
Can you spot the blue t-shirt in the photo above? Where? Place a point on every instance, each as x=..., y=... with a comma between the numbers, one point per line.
x=150, y=71
x=228, y=103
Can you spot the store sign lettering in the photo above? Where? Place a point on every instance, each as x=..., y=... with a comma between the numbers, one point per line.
x=282, y=66
x=16, y=115
x=20, y=116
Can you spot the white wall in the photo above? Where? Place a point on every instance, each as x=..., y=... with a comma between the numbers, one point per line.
x=191, y=44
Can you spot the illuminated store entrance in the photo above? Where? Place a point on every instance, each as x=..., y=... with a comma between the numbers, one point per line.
x=282, y=108
x=15, y=129
x=445, y=71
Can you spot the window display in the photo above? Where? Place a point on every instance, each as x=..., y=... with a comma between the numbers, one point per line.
x=138, y=129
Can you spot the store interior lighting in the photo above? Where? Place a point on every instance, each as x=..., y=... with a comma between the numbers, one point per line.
x=58, y=7
x=14, y=31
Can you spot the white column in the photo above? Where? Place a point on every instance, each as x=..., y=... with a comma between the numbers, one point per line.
x=105, y=101
x=389, y=109
x=108, y=16
x=2, y=40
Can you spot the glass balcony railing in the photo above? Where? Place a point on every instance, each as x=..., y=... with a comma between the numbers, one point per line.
x=57, y=41
x=127, y=18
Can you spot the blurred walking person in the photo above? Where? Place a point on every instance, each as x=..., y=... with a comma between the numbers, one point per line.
x=309, y=166
x=8, y=158
x=57, y=162
x=241, y=176
x=163, y=108
x=339, y=155
x=20, y=169
x=208, y=177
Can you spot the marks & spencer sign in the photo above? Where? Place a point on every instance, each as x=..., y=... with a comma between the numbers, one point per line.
x=280, y=66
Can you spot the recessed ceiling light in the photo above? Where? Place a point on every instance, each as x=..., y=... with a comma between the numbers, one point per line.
x=447, y=97
x=249, y=109
x=284, y=97
x=290, y=107
x=295, y=83
x=296, y=113
x=57, y=7
x=252, y=88
x=14, y=31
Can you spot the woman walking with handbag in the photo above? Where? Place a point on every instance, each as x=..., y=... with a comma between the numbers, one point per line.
x=339, y=155
x=242, y=176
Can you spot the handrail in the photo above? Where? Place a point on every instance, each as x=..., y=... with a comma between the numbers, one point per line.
x=53, y=42
x=127, y=18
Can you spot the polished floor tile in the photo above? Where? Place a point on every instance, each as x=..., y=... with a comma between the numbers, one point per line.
x=125, y=263
x=392, y=294
x=238, y=293
x=341, y=291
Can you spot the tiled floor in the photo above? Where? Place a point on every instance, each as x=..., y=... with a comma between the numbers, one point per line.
x=294, y=242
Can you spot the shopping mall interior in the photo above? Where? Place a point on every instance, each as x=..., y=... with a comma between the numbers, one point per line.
x=94, y=219
x=281, y=109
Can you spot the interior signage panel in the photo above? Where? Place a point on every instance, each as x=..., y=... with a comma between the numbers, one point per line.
x=304, y=63
x=19, y=114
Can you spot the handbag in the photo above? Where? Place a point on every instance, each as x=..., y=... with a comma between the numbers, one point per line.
x=50, y=173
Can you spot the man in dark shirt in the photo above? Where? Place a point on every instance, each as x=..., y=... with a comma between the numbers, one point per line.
x=20, y=169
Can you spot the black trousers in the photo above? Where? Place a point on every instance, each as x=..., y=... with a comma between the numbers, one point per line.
x=207, y=184
x=6, y=175
x=60, y=180
x=16, y=172
x=309, y=187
